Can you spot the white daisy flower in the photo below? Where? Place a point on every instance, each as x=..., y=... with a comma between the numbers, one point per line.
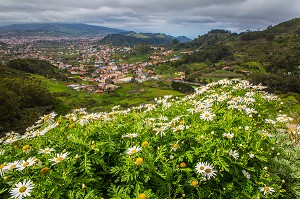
x=2, y=169
x=249, y=100
x=23, y=164
x=175, y=146
x=222, y=98
x=207, y=116
x=234, y=154
x=238, y=99
x=246, y=174
x=22, y=189
x=266, y=189
x=250, y=94
x=59, y=157
x=249, y=111
x=269, y=121
x=11, y=140
x=133, y=150
x=163, y=118
x=240, y=107
x=228, y=135
x=231, y=103
x=12, y=165
x=209, y=172
x=130, y=135
x=251, y=155
x=160, y=130
x=206, y=170
x=200, y=167
x=46, y=150
x=265, y=133
x=2, y=151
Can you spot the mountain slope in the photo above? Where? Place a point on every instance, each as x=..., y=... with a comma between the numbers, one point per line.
x=181, y=39
x=56, y=29
x=132, y=38
x=275, y=48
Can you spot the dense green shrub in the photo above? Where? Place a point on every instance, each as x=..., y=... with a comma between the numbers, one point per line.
x=223, y=141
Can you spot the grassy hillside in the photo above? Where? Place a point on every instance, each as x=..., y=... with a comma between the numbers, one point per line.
x=227, y=140
x=132, y=39
x=23, y=100
x=127, y=95
x=270, y=57
x=44, y=88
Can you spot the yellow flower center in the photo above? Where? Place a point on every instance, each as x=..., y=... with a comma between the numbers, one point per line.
x=12, y=166
x=201, y=167
x=58, y=159
x=145, y=143
x=194, y=183
x=142, y=196
x=208, y=170
x=133, y=151
x=25, y=164
x=26, y=147
x=139, y=161
x=206, y=115
x=182, y=165
x=44, y=170
x=175, y=146
x=22, y=189
x=2, y=166
x=46, y=150
x=266, y=188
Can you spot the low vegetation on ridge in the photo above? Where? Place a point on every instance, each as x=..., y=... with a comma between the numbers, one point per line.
x=226, y=140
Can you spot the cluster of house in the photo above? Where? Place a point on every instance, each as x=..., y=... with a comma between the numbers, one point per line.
x=85, y=61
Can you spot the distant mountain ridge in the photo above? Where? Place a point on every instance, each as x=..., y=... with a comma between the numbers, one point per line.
x=181, y=39
x=132, y=38
x=56, y=29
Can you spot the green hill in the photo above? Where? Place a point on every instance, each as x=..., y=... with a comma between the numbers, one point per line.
x=132, y=39
x=22, y=100
x=270, y=57
x=55, y=29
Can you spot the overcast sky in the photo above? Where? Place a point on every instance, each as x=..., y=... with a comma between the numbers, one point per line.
x=176, y=17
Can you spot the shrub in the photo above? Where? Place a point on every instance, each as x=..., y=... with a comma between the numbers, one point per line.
x=223, y=141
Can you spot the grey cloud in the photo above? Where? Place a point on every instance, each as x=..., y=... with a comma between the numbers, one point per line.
x=196, y=16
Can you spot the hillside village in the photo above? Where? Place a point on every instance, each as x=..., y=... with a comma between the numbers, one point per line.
x=95, y=66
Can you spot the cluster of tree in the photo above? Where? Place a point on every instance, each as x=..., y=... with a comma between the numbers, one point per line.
x=132, y=39
x=36, y=66
x=211, y=54
x=277, y=83
x=22, y=101
x=32, y=66
x=182, y=87
x=220, y=31
x=247, y=36
x=286, y=60
x=141, y=49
